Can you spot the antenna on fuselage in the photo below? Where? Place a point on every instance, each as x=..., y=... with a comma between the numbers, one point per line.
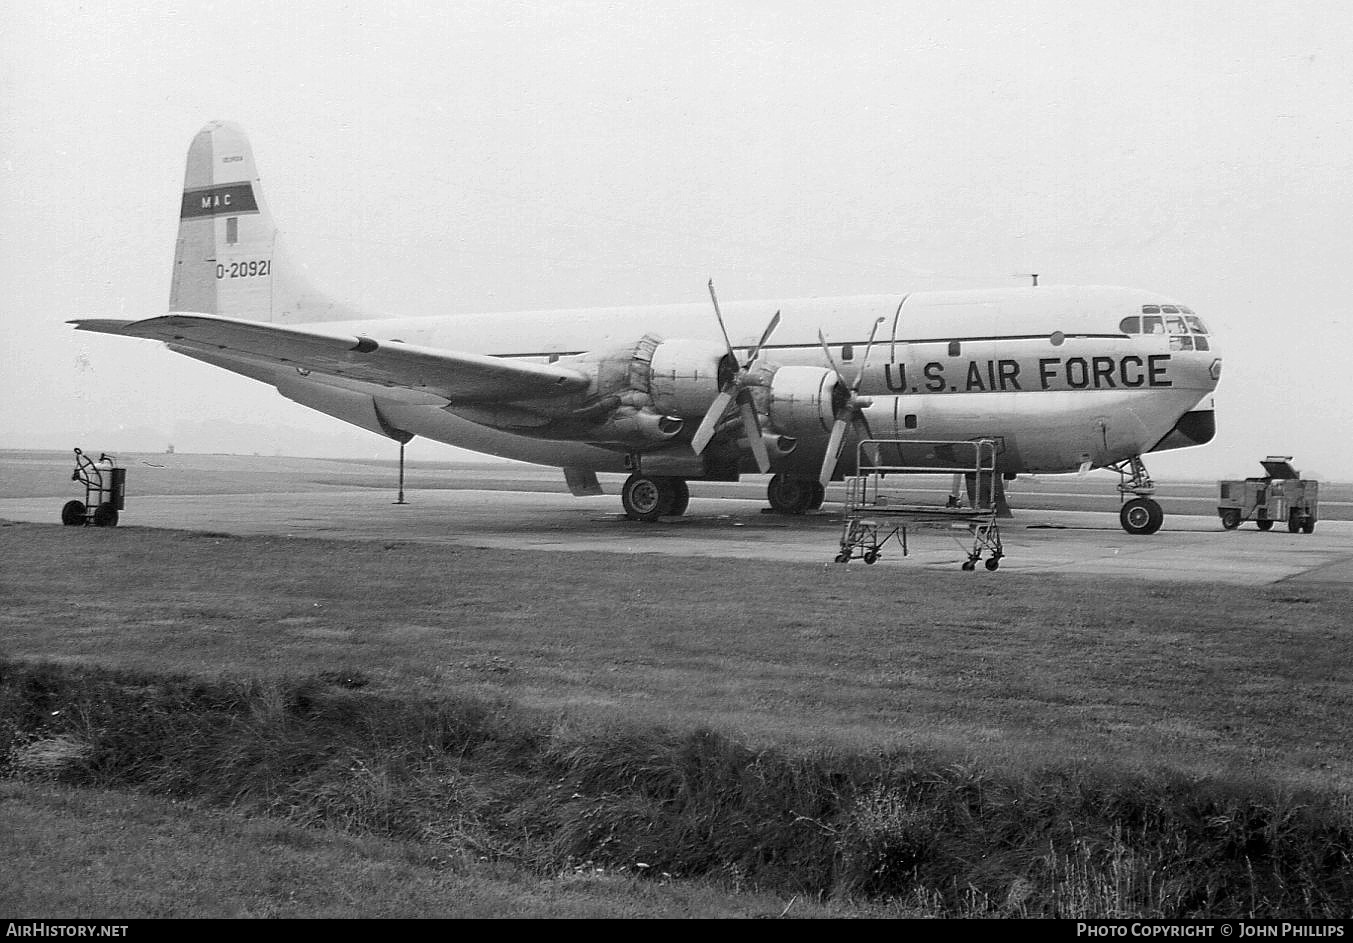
x=1033, y=275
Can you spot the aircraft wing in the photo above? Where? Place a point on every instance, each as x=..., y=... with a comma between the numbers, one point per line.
x=349, y=358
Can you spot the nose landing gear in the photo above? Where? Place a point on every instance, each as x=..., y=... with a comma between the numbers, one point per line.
x=1141, y=515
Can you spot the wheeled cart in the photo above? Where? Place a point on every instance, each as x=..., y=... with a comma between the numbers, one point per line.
x=105, y=492
x=1279, y=496
x=869, y=498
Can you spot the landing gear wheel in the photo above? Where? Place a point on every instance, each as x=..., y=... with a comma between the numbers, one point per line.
x=105, y=515
x=681, y=497
x=1141, y=516
x=819, y=495
x=843, y=557
x=791, y=495
x=969, y=565
x=1293, y=522
x=645, y=498
x=73, y=514
x=993, y=564
x=1230, y=518
x=871, y=556
x=1309, y=526
x=1264, y=524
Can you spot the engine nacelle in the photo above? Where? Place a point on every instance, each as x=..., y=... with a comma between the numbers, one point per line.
x=804, y=401
x=685, y=376
x=637, y=427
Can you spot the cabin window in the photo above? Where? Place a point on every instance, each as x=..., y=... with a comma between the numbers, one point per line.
x=1150, y=309
x=1201, y=343
x=909, y=421
x=1169, y=309
x=847, y=351
x=1132, y=325
x=232, y=230
x=1195, y=324
x=1152, y=324
x=1176, y=325
x=954, y=348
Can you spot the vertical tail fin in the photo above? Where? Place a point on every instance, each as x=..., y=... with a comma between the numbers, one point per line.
x=229, y=259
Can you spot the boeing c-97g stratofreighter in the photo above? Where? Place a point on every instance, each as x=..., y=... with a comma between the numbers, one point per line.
x=1062, y=379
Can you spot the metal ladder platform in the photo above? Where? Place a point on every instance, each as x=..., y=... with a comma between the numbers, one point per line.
x=873, y=503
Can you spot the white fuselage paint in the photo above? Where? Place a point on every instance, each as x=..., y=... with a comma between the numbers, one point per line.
x=1046, y=371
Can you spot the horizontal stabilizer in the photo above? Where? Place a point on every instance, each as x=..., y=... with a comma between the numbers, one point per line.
x=453, y=376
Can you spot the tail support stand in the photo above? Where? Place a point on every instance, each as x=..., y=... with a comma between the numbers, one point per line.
x=401, y=475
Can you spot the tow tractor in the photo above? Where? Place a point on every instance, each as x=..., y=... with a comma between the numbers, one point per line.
x=1281, y=495
x=105, y=489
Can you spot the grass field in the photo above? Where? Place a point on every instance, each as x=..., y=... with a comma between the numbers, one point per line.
x=1128, y=713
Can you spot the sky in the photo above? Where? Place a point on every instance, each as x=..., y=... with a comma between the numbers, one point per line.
x=453, y=158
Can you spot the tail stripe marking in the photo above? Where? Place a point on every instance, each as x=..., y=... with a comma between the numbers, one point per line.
x=234, y=199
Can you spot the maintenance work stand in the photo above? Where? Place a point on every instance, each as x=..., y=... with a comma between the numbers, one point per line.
x=877, y=511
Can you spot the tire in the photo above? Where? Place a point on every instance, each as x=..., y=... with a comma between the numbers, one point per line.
x=819, y=495
x=1141, y=516
x=993, y=564
x=969, y=564
x=645, y=498
x=1230, y=518
x=843, y=557
x=1309, y=526
x=871, y=556
x=105, y=515
x=790, y=495
x=1264, y=524
x=1293, y=522
x=73, y=514
x=681, y=497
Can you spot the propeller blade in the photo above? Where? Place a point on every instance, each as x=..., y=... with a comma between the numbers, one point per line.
x=833, y=451
x=765, y=336
x=753, y=428
x=828, y=351
x=719, y=317
x=864, y=361
x=711, y=421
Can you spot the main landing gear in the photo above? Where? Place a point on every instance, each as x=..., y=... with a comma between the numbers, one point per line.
x=649, y=497
x=795, y=495
x=1141, y=515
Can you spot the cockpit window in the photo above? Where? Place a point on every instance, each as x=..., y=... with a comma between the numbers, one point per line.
x=1186, y=330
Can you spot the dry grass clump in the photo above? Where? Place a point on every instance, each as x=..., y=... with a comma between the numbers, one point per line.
x=489, y=781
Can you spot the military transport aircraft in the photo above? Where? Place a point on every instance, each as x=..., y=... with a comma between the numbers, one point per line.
x=1062, y=379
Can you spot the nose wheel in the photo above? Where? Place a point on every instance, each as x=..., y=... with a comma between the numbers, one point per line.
x=1141, y=516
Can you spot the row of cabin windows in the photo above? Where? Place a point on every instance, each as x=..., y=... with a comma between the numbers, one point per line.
x=1187, y=331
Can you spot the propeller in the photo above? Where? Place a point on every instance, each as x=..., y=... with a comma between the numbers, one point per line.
x=736, y=388
x=851, y=406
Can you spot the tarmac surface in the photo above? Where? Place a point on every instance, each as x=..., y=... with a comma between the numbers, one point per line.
x=724, y=521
